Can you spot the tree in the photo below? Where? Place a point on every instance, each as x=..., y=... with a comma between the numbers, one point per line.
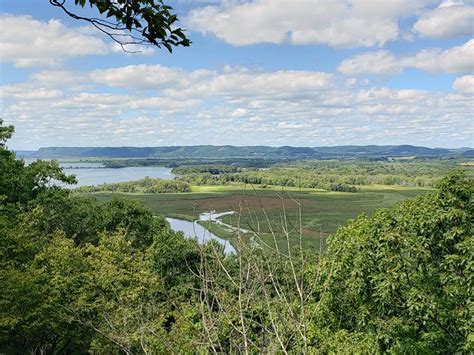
x=19, y=183
x=404, y=275
x=82, y=276
x=6, y=133
x=132, y=22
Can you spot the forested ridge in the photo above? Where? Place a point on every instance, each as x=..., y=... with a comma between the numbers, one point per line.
x=229, y=151
x=82, y=276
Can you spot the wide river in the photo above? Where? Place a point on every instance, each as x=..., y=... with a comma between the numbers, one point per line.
x=90, y=173
x=94, y=174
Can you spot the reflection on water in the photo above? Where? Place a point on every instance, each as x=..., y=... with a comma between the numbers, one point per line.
x=195, y=230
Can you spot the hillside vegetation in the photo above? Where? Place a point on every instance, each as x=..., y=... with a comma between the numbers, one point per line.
x=228, y=151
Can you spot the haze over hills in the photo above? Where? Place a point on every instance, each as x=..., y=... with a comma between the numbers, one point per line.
x=228, y=151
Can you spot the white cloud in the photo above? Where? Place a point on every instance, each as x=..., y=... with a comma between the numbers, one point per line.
x=139, y=77
x=239, y=112
x=73, y=80
x=348, y=23
x=233, y=105
x=104, y=102
x=330, y=117
x=353, y=82
x=29, y=92
x=243, y=83
x=162, y=103
x=457, y=59
x=380, y=62
x=237, y=82
x=286, y=125
x=382, y=109
x=464, y=84
x=28, y=42
x=386, y=95
x=446, y=21
x=99, y=101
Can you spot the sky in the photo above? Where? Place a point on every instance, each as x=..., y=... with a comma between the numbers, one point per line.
x=262, y=72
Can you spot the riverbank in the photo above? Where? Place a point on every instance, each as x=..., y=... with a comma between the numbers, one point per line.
x=196, y=230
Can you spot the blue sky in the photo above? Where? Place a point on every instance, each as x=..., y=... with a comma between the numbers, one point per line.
x=273, y=72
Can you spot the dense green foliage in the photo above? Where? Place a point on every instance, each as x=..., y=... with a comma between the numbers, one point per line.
x=78, y=275
x=343, y=188
x=405, y=275
x=82, y=276
x=324, y=174
x=146, y=185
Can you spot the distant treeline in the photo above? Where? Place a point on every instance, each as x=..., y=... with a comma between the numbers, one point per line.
x=147, y=185
x=211, y=169
x=173, y=163
x=329, y=175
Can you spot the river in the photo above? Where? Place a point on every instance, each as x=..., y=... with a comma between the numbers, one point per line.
x=96, y=176
x=92, y=173
x=195, y=230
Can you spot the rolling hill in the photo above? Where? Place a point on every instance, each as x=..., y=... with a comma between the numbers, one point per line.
x=228, y=151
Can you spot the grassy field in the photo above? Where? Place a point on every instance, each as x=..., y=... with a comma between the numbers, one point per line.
x=274, y=208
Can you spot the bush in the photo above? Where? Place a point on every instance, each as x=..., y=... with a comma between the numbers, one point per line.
x=343, y=188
